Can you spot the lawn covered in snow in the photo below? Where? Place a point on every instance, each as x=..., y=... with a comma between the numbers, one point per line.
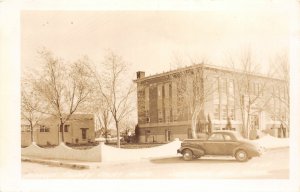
x=270, y=142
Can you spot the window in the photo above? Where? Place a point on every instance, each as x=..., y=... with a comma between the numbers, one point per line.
x=167, y=115
x=25, y=128
x=216, y=111
x=147, y=119
x=146, y=98
x=160, y=102
x=216, y=137
x=231, y=112
x=66, y=128
x=160, y=116
x=227, y=137
x=216, y=96
x=147, y=116
x=174, y=101
x=231, y=94
x=43, y=128
x=224, y=112
x=223, y=90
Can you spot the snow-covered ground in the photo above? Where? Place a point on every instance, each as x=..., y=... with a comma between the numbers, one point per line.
x=111, y=154
x=270, y=142
x=169, y=150
x=274, y=164
x=118, y=154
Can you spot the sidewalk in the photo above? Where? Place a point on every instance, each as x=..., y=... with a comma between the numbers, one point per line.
x=73, y=164
x=61, y=162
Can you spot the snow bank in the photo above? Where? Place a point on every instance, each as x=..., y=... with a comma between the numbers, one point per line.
x=110, y=154
x=270, y=142
x=63, y=152
x=101, y=152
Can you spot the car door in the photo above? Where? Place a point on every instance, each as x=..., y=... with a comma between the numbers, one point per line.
x=230, y=143
x=214, y=145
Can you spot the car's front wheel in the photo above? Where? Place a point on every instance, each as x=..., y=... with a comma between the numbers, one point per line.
x=187, y=155
x=241, y=156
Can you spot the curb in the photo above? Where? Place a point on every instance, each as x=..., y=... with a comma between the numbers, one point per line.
x=55, y=163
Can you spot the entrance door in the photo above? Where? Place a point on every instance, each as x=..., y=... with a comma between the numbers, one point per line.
x=254, y=120
x=147, y=136
x=168, y=135
x=84, y=133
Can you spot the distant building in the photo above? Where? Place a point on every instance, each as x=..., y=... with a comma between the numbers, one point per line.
x=163, y=116
x=79, y=129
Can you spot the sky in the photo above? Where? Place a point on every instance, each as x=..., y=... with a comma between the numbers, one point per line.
x=150, y=40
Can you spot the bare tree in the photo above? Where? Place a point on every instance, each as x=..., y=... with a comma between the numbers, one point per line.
x=103, y=115
x=62, y=89
x=250, y=90
x=194, y=90
x=115, y=93
x=29, y=106
x=127, y=127
x=279, y=103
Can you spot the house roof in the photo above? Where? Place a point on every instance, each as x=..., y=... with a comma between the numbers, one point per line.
x=74, y=117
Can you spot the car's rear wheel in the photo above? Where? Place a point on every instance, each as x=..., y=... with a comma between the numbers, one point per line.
x=241, y=155
x=187, y=155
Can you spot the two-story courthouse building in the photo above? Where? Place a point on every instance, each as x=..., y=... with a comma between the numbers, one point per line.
x=239, y=97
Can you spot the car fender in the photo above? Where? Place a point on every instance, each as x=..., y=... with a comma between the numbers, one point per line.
x=196, y=152
x=239, y=148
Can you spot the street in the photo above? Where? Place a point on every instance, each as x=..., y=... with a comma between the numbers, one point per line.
x=274, y=164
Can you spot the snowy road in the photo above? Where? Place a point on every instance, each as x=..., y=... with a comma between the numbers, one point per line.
x=274, y=164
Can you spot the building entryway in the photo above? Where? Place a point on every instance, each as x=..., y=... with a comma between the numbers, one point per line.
x=84, y=133
x=254, y=126
x=168, y=135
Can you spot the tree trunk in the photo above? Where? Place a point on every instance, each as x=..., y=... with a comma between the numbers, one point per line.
x=62, y=132
x=193, y=126
x=194, y=121
x=118, y=134
x=31, y=132
x=105, y=129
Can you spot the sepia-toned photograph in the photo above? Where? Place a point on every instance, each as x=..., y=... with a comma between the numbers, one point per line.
x=200, y=93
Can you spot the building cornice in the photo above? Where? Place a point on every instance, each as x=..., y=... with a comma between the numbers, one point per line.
x=204, y=66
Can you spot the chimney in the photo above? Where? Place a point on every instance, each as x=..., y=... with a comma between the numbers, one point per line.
x=140, y=74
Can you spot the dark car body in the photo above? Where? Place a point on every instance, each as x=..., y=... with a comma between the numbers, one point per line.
x=227, y=143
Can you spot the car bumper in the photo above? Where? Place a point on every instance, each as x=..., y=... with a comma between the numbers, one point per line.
x=179, y=151
x=256, y=153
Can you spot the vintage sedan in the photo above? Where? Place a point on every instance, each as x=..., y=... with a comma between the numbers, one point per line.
x=226, y=143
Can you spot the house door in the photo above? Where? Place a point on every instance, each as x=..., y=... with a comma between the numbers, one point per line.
x=168, y=135
x=147, y=136
x=84, y=133
x=254, y=122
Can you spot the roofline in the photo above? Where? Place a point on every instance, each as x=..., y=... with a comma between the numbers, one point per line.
x=204, y=66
